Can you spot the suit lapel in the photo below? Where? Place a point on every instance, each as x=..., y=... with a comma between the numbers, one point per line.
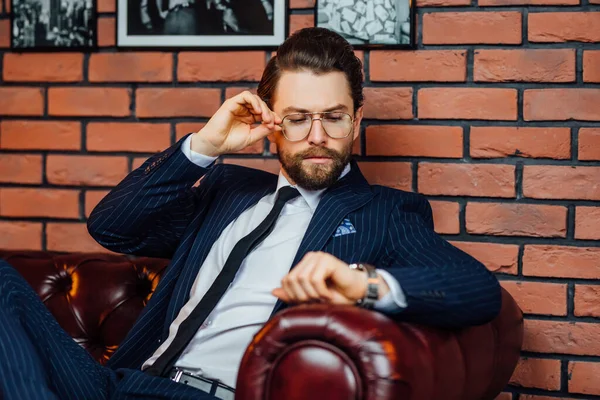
x=348, y=194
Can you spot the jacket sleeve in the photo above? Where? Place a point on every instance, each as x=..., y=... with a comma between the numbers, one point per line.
x=147, y=213
x=444, y=286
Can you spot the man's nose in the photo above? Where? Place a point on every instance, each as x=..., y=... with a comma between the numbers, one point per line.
x=317, y=134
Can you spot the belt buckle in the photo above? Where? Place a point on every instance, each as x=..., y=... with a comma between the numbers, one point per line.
x=177, y=376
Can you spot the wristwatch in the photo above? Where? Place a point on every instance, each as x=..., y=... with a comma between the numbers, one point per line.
x=372, y=294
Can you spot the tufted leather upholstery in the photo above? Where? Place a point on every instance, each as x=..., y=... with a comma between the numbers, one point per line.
x=350, y=353
x=336, y=352
x=96, y=298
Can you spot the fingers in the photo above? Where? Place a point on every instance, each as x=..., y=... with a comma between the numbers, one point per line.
x=262, y=131
x=268, y=116
x=307, y=282
x=249, y=102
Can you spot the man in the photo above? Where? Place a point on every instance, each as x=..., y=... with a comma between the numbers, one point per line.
x=244, y=243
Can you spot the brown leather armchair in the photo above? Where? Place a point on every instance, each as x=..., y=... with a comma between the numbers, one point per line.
x=304, y=352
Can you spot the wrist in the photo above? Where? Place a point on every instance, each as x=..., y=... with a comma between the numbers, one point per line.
x=200, y=145
x=384, y=289
x=371, y=285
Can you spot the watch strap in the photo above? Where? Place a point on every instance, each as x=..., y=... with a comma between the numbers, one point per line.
x=372, y=293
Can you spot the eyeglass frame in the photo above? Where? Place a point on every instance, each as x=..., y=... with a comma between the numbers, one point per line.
x=312, y=120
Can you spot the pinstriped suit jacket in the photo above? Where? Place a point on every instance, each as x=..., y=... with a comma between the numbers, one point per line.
x=157, y=211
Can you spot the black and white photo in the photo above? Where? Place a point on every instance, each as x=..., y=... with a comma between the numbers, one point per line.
x=53, y=24
x=201, y=23
x=368, y=22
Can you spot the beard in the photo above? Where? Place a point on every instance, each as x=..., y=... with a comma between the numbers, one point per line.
x=315, y=176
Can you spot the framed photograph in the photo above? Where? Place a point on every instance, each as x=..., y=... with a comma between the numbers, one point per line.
x=201, y=23
x=369, y=23
x=53, y=24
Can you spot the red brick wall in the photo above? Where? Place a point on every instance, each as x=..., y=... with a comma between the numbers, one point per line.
x=496, y=117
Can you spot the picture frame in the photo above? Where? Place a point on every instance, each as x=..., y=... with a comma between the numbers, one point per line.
x=368, y=24
x=53, y=25
x=202, y=24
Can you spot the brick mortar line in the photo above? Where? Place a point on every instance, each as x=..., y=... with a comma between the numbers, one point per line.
x=509, y=8
x=175, y=62
x=470, y=61
x=508, y=161
x=367, y=68
x=414, y=169
x=519, y=180
x=570, y=221
x=44, y=169
x=562, y=203
x=84, y=126
x=44, y=240
x=462, y=218
x=466, y=144
x=560, y=318
x=523, y=85
x=579, y=65
x=419, y=33
x=363, y=139
x=560, y=356
x=508, y=46
x=489, y=239
x=571, y=299
x=86, y=68
x=520, y=105
x=45, y=100
x=520, y=253
x=519, y=390
x=525, y=27
x=81, y=201
x=525, y=241
x=575, y=144
x=172, y=133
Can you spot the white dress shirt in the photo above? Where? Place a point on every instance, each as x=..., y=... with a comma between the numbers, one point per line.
x=215, y=352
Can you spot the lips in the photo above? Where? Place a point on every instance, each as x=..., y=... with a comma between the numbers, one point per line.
x=318, y=160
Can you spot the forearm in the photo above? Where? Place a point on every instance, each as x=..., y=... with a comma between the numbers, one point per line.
x=443, y=285
x=455, y=295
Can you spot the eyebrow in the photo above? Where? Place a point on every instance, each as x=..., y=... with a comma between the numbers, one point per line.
x=303, y=110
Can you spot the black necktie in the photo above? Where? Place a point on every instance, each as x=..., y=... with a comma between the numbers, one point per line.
x=192, y=323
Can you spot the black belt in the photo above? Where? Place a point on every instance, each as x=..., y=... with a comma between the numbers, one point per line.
x=210, y=386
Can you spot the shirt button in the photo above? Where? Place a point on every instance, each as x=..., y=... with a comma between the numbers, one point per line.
x=209, y=323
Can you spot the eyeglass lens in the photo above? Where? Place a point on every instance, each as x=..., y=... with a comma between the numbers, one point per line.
x=336, y=124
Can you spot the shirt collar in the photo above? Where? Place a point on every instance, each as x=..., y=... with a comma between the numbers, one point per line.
x=312, y=197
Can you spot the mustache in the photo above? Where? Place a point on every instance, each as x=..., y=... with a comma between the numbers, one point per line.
x=318, y=152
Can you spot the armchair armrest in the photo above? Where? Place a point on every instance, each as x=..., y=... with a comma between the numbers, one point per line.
x=344, y=352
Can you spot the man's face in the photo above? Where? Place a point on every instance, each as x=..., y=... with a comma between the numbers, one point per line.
x=317, y=161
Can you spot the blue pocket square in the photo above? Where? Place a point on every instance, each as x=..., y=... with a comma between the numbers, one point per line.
x=345, y=228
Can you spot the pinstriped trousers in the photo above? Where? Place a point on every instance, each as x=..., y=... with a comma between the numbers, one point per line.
x=40, y=361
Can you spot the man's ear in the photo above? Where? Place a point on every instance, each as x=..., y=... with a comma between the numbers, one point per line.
x=358, y=116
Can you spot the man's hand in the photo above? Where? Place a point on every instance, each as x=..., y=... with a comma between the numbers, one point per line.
x=321, y=277
x=231, y=128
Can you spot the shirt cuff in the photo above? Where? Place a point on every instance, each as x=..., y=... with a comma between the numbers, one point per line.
x=395, y=300
x=199, y=159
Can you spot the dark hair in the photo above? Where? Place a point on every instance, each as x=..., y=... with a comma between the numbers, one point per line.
x=318, y=50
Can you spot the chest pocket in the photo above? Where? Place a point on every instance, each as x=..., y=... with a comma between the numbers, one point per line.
x=351, y=243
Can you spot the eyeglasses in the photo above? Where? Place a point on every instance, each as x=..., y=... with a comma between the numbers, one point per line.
x=297, y=126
